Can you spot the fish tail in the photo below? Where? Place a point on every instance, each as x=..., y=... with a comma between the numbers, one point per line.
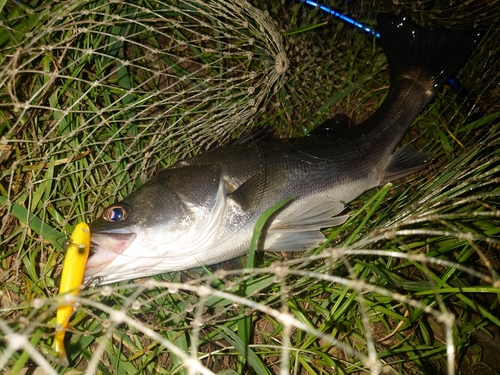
x=426, y=56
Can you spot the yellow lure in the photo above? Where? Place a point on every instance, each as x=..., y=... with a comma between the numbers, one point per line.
x=73, y=270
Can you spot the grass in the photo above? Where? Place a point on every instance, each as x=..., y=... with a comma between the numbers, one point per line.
x=407, y=285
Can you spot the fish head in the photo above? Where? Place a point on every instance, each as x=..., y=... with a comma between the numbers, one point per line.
x=150, y=231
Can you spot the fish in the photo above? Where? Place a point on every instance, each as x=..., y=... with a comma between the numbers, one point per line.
x=75, y=260
x=202, y=210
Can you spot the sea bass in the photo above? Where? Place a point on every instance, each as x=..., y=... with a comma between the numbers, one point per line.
x=202, y=211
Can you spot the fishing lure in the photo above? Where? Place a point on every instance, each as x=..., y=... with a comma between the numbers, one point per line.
x=71, y=279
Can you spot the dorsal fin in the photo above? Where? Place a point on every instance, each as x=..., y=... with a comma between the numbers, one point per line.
x=333, y=125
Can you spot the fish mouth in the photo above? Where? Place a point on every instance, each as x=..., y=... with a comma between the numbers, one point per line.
x=105, y=247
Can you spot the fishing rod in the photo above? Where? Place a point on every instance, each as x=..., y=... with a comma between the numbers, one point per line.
x=342, y=17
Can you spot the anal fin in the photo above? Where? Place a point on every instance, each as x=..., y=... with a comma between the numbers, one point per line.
x=405, y=161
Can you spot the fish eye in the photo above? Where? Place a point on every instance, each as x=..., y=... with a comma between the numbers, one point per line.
x=115, y=213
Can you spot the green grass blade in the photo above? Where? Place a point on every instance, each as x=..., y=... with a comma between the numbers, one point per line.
x=253, y=360
x=54, y=237
x=258, y=229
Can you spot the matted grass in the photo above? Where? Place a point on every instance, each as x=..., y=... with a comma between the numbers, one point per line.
x=95, y=97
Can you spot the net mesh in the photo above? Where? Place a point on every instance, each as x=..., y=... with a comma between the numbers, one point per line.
x=91, y=88
x=97, y=96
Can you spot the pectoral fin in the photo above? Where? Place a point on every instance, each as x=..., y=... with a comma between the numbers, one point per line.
x=259, y=188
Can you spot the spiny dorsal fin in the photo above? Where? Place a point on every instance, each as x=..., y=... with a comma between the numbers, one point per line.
x=257, y=134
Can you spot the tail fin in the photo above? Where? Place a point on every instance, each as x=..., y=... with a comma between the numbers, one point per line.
x=427, y=56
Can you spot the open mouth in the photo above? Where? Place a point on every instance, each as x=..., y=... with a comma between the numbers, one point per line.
x=105, y=247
